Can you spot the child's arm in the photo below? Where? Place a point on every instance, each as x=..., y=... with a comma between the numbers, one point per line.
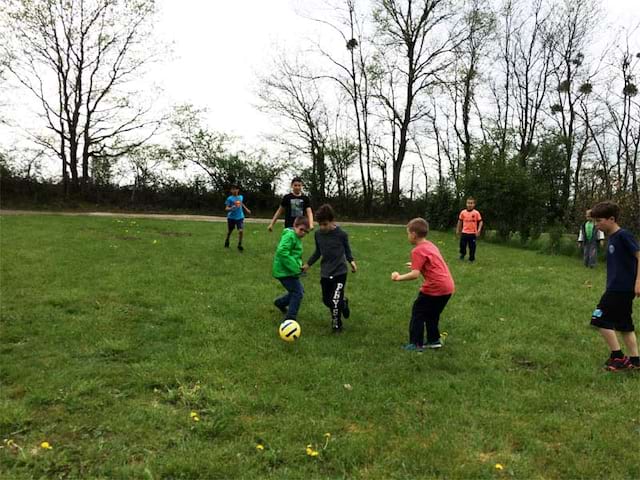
x=310, y=217
x=313, y=258
x=276, y=215
x=246, y=209
x=412, y=275
x=284, y=253
x=459, y=227
x=348, y=254
x=480, y=225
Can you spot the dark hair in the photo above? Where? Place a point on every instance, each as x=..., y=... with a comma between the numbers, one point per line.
x=471, y=199
x=301, y=221
x=296, y=179
x=419, y=226
x=325, y=213
x=606, y=209
x=234, y=186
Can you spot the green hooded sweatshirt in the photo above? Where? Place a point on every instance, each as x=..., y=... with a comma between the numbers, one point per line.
x=288, y=259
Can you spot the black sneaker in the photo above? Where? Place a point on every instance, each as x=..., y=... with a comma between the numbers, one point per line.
x=241, y=248
x=433, y=345
x=346, y=312
x=280, y=307
x=336, y=328
x=226, y=244
x=618, y=364
x=462, y=257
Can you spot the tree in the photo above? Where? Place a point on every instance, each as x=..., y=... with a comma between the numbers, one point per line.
x=80, y=59
x=291, y=93
x=415, y=37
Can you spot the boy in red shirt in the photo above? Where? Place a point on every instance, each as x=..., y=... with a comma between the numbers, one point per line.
x=469, y=229
x=435, y=292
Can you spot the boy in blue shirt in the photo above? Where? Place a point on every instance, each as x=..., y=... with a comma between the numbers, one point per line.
x=614, y=312
x=235, y=208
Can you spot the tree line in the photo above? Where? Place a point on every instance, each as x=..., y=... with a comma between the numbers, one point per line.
x=400, y=106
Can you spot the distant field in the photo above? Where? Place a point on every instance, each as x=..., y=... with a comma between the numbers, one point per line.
x=113, y=331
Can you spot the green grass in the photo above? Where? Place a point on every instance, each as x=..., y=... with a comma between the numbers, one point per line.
x=113, y=331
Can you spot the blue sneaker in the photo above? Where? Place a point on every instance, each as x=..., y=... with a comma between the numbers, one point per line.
x=412, y=347
x=433, y=345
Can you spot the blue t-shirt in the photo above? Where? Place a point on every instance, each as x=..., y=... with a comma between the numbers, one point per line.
x=622, y=264
x=237, y=213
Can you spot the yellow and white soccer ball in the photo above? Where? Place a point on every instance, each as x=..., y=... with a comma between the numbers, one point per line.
x=289, y=330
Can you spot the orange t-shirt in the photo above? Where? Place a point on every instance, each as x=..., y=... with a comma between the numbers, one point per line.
x=470, y=220
x=437, y=279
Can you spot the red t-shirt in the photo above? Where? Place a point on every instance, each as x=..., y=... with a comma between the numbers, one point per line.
x=470, y=220
x=437, y=279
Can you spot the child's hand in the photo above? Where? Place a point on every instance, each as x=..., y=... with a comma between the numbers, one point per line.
x=305, y=267
x=408, y=264
x=248, y=211
x=270, y=227
x=354, y=267
x=395, y=276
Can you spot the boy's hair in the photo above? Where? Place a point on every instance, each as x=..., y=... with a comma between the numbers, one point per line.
x=606, y=209
x=419, y=226
x=301, y=221
x=296, y=179
x=325, y=213
x=234, y=186
x=471, y=199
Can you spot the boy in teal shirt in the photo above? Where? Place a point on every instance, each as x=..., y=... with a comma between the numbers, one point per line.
x=287, y=266
x=235, y=208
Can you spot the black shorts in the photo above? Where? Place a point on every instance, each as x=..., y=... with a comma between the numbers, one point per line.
x=233, y=223
x=614, y=312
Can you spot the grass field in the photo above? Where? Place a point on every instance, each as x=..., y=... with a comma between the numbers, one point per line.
x=114, y=331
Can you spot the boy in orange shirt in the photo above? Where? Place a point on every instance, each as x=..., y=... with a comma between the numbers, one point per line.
x=435, y=292
x=469, y=229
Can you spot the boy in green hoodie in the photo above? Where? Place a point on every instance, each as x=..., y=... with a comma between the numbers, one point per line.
x=287, y=266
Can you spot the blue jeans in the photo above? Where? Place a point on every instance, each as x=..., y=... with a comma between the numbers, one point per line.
x=293, y=298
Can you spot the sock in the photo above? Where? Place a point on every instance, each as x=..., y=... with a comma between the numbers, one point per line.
x=617, y=354
x=635, y=361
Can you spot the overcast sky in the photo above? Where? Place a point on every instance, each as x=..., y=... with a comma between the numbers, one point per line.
x=219, y=46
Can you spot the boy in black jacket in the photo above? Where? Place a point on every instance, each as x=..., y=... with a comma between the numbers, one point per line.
x=332, y=244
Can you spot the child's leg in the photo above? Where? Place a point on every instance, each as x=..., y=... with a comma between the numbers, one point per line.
x=240, y=226
x=610, y=338
x=631, y=343
x=463, y=245
x=416, y=325
x=327, y=288
x=296, y=293
x=436, y=306
x=230, y=226
x=337, y=300
x=472, y=248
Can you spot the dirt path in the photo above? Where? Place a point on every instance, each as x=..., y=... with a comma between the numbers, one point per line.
x=164, y=216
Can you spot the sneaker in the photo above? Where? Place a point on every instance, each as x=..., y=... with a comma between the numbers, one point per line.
x=280, y=307
x=412, y=347
x=226, y=244
x=618, y=364
x=462, y=257
x=336, y=328
x=433, y=345
x=346, y=312
x=241, y=248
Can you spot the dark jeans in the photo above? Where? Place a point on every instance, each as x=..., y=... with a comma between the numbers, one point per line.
x=426, y=311
x=468, y=239
x=333, y=297
x=293, y=298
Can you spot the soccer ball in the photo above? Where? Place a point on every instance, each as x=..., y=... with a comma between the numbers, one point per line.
x=289, y=330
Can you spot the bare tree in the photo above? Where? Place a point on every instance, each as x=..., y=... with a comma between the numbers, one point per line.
x=80, y=59
x=291, y=93
x=416, y=38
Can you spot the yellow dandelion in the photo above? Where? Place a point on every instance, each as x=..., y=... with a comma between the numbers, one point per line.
x=46, y=446
x=259, y=447
x=499, y=466
x=194, y=414
x=311, y=452
x=327, y=435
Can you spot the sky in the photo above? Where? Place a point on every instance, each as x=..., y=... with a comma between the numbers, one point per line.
x=217, y=48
